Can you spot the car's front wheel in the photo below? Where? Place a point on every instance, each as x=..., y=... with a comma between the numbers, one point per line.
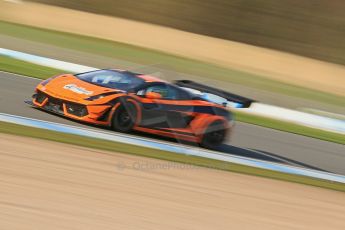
x=124, y=118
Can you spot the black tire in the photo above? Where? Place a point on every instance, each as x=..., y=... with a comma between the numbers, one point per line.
x=124, y=117
x=214, y=135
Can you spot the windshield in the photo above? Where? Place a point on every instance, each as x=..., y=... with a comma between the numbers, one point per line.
x=112, y=79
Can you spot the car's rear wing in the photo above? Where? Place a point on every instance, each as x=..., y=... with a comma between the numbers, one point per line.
x=241, y=102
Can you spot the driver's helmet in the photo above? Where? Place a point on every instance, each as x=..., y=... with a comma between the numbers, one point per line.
x=163, y=91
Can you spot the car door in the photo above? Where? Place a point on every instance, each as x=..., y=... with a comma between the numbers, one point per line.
x=170, y=111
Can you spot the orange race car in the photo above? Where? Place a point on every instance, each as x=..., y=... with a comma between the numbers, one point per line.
x=127, y=101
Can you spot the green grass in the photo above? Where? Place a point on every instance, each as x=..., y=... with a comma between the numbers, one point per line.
x=33, y=70
x=170, y=62
x=290, y=127
x=15, y=129
x=26, y=68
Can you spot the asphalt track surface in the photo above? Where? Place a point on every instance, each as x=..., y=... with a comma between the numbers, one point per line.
x=247, y=140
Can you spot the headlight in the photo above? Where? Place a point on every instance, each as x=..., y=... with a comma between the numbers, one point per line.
x=48, y=80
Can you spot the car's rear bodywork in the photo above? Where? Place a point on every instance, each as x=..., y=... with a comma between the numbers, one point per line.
x=154, y=106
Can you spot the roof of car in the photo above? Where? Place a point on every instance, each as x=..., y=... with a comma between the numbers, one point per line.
x=145, y=77
x=149, y=78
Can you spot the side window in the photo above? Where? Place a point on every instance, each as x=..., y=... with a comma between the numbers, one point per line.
x=167, y=92
x=182, y=94
x=161, y=89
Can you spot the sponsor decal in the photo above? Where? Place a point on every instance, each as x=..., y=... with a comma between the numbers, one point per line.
x=76, y=89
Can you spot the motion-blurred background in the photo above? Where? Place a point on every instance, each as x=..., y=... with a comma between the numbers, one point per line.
x=285, y=53
x=313, y=28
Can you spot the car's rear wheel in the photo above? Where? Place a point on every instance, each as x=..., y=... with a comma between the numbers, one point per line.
x=124, y=117
x=214, y=135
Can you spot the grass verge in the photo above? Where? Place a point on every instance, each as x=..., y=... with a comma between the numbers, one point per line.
x=290, y=127
x=15, y=129
x=172, y=62
x=25, y=68
x=33, y=70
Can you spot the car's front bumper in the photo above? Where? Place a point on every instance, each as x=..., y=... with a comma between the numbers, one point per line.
x=77, y=111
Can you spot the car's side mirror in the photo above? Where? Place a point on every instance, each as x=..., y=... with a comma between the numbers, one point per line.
x=153, y=95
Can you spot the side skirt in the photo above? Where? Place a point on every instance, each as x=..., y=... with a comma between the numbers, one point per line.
x=169, y=133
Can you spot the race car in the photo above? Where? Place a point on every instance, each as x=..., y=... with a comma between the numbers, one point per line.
x=127, y=101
